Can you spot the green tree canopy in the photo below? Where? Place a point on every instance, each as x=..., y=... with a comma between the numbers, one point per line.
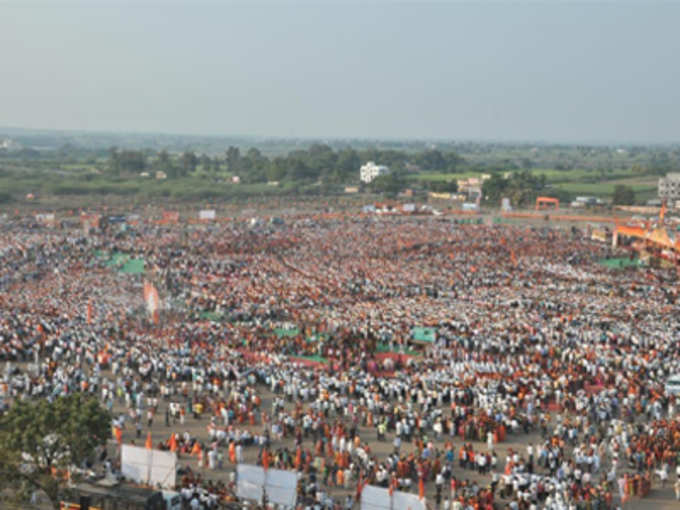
x=38, y=435
x=623, y=195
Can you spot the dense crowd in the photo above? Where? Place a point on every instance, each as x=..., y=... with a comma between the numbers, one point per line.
x=292, y=344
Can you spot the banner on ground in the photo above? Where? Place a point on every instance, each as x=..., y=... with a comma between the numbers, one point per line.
x=280, y=487
x=152, y=467
x=377, y=498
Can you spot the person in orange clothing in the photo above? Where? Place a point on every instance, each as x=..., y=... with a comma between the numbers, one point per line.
x=340, y=478
x=232, y=452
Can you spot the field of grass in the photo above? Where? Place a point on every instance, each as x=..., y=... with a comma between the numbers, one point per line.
x=642, y=186
x=440, y=176
x=579, y=181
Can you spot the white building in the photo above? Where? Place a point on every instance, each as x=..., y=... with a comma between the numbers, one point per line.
x=669, y=186
x=370, y=171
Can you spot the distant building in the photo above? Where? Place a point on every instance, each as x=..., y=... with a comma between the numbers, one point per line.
x=586, y=201
x=351, y=189
x=370, y=171
x=669, y=186
x=10, y=145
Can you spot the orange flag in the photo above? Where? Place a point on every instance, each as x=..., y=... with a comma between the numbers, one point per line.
x=265, y=459
x=149, y=443
x=173, y=443
x=421, y=488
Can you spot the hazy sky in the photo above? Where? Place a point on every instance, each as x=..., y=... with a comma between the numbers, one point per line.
x=553, y=71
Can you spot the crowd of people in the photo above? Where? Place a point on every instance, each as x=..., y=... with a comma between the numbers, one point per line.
x=292, y=344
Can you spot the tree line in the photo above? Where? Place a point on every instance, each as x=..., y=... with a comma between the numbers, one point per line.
x=319, y=162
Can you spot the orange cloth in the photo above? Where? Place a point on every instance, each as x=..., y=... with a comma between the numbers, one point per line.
x=119, y=434
x=173, y=443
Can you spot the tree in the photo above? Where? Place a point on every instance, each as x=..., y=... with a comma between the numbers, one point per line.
x=233, y=157
x=163, y=161
x=450, y=186
x=206, y=163
x=189, y=162
x=391, y=183
x=623, y=195
x=50, y=435
x=114, y=161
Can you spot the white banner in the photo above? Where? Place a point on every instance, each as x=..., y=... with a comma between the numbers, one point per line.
x=206, y=214
x=377, y=498
x=406, y=501
x=152, y=467
x=280, y=486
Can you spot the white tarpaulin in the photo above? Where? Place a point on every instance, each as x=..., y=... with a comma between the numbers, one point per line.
x=206, y=214
x=249, y=482
x=280, y=486
x=152, y=467
x=406, y=501
x=377, y=498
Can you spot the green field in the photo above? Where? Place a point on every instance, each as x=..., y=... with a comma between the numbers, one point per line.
x=606, y=188
x=579, y=181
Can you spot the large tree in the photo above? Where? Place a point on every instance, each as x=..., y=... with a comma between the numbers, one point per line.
x=623, y=195
x=39, y=436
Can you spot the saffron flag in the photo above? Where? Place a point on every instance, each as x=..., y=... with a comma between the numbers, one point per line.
x=152, y=300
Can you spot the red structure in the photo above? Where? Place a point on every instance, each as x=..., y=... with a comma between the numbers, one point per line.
x=547, y=203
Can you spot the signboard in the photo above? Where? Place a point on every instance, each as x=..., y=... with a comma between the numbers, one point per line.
x=280, y=486
x=206, y=214
x=47, y=218
x=152, y=467
x=377, y=498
